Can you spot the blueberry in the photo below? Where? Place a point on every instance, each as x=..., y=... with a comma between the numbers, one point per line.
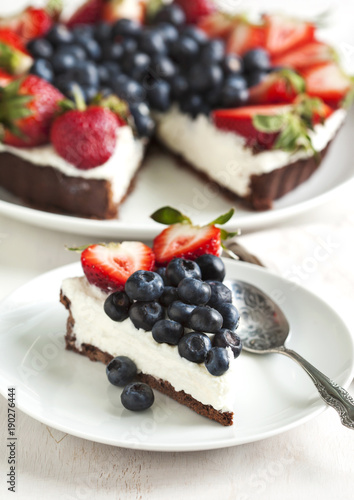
x=119, y=83
x=212, y=52
x=144, y=124
x=206, y=319
x=63, y=61
x=137, y=65
x=172, y=14
x=106, y=91
x=43, y=69
x=185, y=50
x=180, y=312
x=178, y=269
x=144, y=286
x=85, y=72
x=230, y=316
x=103, y=31
x=164, y=68
x=227, y=338
x=194, y=291
x=168, y=296
x=129, y=90
x=197, y=34
x=126, y=27
x=152, y=42
x=117, y=306
x=194, y=346
x=89, y=91
x=234, y=92
x=212, y=267
x=203, y=77
x=232, y=64
x=40, y=47
x=83, y=32
x=66, y=84
x=192, y=104
x=162, y=272
x=93, y=49
x=137, y=396
x=179, y=87
x=129, y=45
x=59, y=34
x=256, y=59
x=103, y=74
x=112, y=51
x=219, y=294
x=145, y=314
x=212, y=96
x=159, y=96
x=217, y=361
x=167, y=331
x=121, y=371
x=109, y=67
x=256, y=77
x=168, y=32
x=76, y=50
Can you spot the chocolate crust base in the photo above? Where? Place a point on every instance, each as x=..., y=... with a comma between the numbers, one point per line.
x=95, y=354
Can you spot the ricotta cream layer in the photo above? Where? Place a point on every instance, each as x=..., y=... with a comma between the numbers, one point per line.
x=94, y=327
x=223, y=156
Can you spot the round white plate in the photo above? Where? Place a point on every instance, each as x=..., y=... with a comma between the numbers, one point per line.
x=163, y=182
x=72, y=394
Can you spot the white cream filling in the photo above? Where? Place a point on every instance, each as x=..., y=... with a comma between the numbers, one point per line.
x=223, y=155
x=93, y=326
x=119, y=169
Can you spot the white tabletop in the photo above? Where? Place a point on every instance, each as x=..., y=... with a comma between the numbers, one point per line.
x=313, y=459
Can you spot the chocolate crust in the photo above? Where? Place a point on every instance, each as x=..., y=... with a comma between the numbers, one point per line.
x=95, y=354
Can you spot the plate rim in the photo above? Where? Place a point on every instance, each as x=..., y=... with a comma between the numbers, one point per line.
x=205, y=445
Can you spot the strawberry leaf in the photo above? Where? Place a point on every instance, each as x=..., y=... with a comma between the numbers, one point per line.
x=78, y=249
x=222, y=219
x=225, y=235
x=268, y=123
x=168, y=215
x=293, y=80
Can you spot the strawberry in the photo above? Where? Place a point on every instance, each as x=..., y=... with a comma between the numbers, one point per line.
x=217, y=24
x=108, y=266
x=13, y=55
x=308, y=55
x=278, y=87
x=245, y=36
x=328, y=82
x=27, y=109
x=86, y=136
x=5, y=78
x=184, y=240
x=117, y=9
x=196, y=10
x=283, y=33
x=88, y=13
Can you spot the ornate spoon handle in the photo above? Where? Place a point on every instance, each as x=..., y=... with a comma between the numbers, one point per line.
x=330, y=392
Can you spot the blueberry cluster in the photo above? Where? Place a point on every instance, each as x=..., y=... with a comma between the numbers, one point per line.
x=148, y=66
x=184, y=304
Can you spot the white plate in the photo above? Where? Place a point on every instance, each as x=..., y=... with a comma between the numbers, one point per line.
x=72, y=394
x=162, y=182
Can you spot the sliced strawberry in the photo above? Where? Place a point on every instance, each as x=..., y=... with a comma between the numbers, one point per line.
x=328, y=82
x=306, y=56
x=13, y=55
x=117, y=9
x=5, y=78
x=88, y=13
x=322, y=113
x=186, y=241
x=108, y=266
x=279, y=87
x=283, y=33
x=245, y=36
x=195, y=10
x=217, y=25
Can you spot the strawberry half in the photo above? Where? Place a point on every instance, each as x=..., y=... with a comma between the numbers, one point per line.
x=184, y=240
x=217, y=25
x=278, y=87
x=283, y=33
x=32, y=22
x=245, y=36
x=195, y=10
x=14, y=58
x=88, y=13
x=108, y=266
x=311, y=54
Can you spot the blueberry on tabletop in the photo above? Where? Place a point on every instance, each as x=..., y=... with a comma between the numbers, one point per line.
x=144, y=286
x=178, y=269
x=206, y=319
x=117, y=306
x=230, y=315
x=137, y=396
x=172, y=14
x=194, y=346
x=194, y=291
x=219, y=294
x=126, y=27
x=121, y=371
x=169, y=295
x=168, y=32
x=63, y=61
x=145, y=314
x=180, y=312
x=217, y=361
x=227, y=338
x=212, y=52
x=43, y=69
x=212, y=267
x=59, y=34
x=159, y=96
x=232, y=64
x=102, y=31
x=167, y=331
x=40, y=48
x=256, y=59
x=144, y=124
x=256, y=77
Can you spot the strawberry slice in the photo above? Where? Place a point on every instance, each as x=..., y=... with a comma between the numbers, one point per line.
x=217, y=25
x=279, y=87
x=245, y=36
x=195, y=10
x=88, y=13
x=108, y=266
x=14, y=58
x=328, y=82
x=311, y=54
x=283, y=33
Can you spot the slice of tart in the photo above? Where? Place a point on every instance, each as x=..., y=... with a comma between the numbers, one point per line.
x=176, y=323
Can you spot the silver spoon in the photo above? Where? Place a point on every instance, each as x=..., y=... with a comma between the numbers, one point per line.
x=264, y=329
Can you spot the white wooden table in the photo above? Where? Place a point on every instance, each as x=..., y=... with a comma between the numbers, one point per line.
x=315, y=459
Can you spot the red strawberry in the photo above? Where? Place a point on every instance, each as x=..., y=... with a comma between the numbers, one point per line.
x=217, y=25
x=279, y=87
x=13, y=55
x=5, y=78
x=195, y=10
x=88, y=13
x=328, y=82
x=245, y=36
x=308, y=55
x=283, y=33
x=108, y=266
x=27, y=109
x=117, y=9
